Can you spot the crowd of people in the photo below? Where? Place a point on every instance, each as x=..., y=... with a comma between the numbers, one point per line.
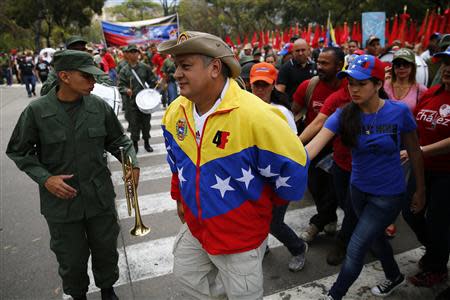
x=377, y=145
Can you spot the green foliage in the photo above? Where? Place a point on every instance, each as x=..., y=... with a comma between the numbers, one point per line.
x=135, y=10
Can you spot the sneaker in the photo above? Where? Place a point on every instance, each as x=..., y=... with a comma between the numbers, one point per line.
x=428, y=279
x=310, y=233
x=337, y=253
x=390, y=231
x=444, y=295
x=330, y=228
x=297, y=262
x=387, y=287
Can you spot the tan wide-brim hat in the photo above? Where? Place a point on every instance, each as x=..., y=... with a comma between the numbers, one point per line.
x=195, y=42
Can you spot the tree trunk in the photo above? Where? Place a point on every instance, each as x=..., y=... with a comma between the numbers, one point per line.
x=37, y=35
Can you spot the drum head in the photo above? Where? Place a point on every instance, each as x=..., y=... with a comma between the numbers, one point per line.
x=148, y=100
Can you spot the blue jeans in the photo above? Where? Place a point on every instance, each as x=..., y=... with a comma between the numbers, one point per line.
x=374, y=214
x=30, y=83
x=113, y=75
x=171, y=91
x=284, y=233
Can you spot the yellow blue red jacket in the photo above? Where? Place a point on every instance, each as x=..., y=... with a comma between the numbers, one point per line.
x=247, y=157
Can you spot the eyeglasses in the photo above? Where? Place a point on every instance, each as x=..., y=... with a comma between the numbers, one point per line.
x=402, y=63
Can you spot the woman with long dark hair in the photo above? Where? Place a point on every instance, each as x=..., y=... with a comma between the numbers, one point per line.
x=374, y=129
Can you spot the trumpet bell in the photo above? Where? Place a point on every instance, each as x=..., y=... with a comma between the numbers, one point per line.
x=140, y=231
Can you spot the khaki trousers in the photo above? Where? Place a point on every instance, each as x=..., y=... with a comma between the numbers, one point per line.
x=204, y=276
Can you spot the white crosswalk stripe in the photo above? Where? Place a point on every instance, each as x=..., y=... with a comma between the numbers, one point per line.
x=156, y=115
x=146, y=174
x=158, y=149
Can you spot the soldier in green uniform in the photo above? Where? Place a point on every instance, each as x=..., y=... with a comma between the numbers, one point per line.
x=129, y=87
x=73, y=43
x=59, y=141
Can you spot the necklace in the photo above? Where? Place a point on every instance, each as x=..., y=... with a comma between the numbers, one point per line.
x=368, y=129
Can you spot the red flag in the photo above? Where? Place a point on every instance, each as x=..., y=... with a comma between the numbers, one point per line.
x=245, y=40
x=316, y=36
x=422, y=28
x=308, y=34
x=394, y=32
x=437, y=20
x=387, y=33
x=277, y=40
x=447, y=21
x=267, y=38
x=238, y=40
x=354, y=32
x=229, y=41
x=296, y=29
x=443, y=22
x=286, y=36
x=428, y=32
x=261, y=39
x=254, y=38
x=412, y=31
x=402, y=31
x=345, y=34
x=291, y=32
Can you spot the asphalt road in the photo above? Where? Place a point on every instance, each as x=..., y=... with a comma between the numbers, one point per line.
x=29, y=269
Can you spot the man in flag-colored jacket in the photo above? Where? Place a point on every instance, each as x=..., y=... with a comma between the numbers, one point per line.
x=232, y=156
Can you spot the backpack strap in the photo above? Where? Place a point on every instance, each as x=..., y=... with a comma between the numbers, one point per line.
x=308, y=94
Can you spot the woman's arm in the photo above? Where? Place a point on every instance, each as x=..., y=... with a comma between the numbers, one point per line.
x=411, y=143
x=318, y=142
x=313, y=128
x=438, y=148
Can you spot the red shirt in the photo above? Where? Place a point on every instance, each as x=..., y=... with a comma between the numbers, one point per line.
x=110, y=60
x=433, y=125
x=320, y=93
x=342, y=155
x=158, y=61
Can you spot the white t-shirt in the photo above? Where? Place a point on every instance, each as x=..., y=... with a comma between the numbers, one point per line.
x=200, y=120
x=289, y=116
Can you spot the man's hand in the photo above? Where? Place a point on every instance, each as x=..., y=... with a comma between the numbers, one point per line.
x=129, y=92
x=180, y=211
x=418, y=202
x=57, y=186
x=136, y=173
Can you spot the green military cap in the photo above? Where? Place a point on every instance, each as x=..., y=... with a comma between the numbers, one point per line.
x=405, y=54
x=444, y=42
x=125, y=49
x=67, y=60
x=195, y=42
x=75, y=39
x=132, y=48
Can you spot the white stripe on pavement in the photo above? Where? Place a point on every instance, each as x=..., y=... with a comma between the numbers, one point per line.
x=153, y=133
x=158, y=149
x=371, y=275
x=157, y=114
x=146, y=174
x=148, y=204
x=154, y=123
x=154, y=258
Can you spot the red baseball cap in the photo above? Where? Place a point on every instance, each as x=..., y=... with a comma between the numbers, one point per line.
x=263, y=71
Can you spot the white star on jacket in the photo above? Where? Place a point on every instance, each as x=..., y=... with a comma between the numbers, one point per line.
x=222, y=185
x=266, y=172
x=180, y=176
x=246, y=177
x=282, y=181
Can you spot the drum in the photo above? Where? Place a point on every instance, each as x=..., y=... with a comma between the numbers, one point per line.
x=421, y=70
x=110, y=94
x=148, y=101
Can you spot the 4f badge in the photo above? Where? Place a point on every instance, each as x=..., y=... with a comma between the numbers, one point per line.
x=181, y=129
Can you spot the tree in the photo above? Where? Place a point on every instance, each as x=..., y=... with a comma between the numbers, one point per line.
x=136, y=10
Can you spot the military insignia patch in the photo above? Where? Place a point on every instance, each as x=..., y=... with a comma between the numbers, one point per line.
x=181, y=129
x=182, y=38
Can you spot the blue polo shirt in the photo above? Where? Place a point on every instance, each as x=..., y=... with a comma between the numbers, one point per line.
x=376, y=167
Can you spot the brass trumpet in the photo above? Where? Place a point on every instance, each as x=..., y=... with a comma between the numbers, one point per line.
x=131, y=195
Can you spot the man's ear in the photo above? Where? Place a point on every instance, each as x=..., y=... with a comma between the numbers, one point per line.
x=216, y=66
x=64, y=76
